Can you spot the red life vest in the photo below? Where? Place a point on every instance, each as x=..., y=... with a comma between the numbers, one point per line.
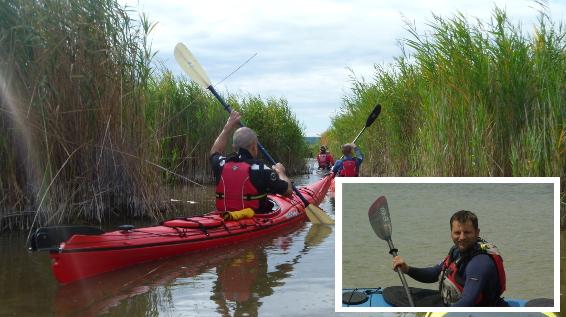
x=451, y=281
x=323, y=160
x=235, y=190
x=349, y=168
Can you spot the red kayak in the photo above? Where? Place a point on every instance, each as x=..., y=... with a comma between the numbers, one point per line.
x=80, y=252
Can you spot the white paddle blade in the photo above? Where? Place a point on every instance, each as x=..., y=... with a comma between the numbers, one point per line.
x=379, y=218
x=190, y=65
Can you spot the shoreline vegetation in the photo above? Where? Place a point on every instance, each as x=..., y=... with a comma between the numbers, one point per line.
x=465, y=99
x=92, y=128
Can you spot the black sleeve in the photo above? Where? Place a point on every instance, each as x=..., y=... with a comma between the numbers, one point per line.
x=266, y=180
x=215, y=160
x=425, y=275
x=479, y=271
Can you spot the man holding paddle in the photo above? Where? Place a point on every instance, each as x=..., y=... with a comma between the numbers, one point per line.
x=349, y=164
x=472, y=273
x=242, y=181
x=192, y=67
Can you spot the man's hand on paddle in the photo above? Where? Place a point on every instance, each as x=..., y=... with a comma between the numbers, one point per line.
x=399, y=262
x=222, y=140
x=280, y=170
x=233, y=121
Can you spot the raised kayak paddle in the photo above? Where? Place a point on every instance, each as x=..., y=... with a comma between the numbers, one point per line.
x=193, y=68
x=373, y=115
x=381, y=224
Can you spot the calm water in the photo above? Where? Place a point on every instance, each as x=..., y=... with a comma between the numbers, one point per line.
x=518, y=218
x=287, y=274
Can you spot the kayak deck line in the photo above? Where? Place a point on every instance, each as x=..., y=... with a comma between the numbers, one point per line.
x=259, y=222
x=151, y=234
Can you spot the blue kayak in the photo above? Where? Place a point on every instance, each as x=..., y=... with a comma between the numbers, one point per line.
x=373, y=297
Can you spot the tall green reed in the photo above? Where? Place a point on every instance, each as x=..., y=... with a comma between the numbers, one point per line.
x=75, y=67
x=466, y=99
x=106, y=131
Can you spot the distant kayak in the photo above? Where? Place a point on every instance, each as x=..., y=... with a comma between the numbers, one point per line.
x=81, y=252
x=394, y=297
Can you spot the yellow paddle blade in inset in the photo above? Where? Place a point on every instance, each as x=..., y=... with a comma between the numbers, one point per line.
x=318, y=216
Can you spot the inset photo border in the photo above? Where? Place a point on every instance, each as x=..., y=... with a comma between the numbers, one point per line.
x=519, y=215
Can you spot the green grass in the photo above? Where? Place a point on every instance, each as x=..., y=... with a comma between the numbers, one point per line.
x=465, y=99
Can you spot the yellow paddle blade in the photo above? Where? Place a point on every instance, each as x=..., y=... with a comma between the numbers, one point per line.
x=318, y=216
x=190, y=65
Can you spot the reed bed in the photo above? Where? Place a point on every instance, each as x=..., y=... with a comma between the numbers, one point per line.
x=465, y=99
x=76, y=78
x=90, y=129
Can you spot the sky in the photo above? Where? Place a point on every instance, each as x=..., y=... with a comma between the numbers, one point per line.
x=308, y=52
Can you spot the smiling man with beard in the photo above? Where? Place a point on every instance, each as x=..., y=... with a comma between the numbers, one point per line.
x=472, y=274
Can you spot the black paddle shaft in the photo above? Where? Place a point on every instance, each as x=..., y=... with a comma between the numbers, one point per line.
x=261, y=148
x=393, y=252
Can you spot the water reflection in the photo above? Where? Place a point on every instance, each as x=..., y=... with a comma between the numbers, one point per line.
x=241, y=276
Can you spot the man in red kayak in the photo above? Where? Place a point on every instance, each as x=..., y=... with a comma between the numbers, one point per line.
x=472, y=274
x=242, y=181
x=324, y=158
x=349, y=164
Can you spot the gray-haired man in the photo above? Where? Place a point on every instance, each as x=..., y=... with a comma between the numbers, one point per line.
x=242, y=181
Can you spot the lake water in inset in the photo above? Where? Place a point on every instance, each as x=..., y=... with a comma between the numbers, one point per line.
x=517, y=218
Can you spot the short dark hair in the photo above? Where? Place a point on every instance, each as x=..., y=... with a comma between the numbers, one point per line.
x=464, y=216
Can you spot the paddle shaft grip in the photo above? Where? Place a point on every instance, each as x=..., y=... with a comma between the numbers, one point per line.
x=393, y=252
x=259, y=145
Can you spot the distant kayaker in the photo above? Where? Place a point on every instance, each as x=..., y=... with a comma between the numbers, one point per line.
x=349, y=165
x=472, y=274
x=243, y=181
x=324, y=158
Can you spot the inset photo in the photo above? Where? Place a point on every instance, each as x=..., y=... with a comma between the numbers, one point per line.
x=448, y=244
